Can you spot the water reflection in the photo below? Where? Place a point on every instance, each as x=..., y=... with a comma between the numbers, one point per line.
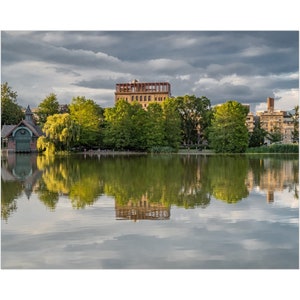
x=145, y=187
x=19, y=173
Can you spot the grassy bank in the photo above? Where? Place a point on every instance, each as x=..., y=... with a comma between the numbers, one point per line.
x=275, y=148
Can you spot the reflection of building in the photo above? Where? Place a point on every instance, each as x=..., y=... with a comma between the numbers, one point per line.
x=21, y=137
x=271, y=177
x=22, y=168
x=142, y=210
x=143, y=92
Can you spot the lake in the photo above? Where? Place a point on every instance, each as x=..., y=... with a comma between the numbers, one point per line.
x=150, y=211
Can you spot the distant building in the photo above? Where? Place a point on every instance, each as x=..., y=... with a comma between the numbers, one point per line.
x=143, y=92
x=21, y=137
x=272, y=120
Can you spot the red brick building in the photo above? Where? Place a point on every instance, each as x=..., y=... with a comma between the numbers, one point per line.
x=143, y=92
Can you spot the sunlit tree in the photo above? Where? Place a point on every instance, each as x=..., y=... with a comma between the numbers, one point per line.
x=228, y=131
x=62, y=131
x=89, y=116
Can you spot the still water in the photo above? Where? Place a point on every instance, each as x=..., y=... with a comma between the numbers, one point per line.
x=142, y=212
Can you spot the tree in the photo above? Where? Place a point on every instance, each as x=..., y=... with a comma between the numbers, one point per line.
x=61, y=131
x=154, y=126
x=48, y=107
x=89, y=116
x=125, y=126
x=172, y=123
x=228, y=132
x=195, y=116
x=295, y=132
x=275, y=135
x=11, y=112
x=258, y=135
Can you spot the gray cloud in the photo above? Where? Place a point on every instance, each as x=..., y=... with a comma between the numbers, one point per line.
x=90, y=63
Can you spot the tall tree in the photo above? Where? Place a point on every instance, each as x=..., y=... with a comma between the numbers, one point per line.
x=228, y=132
x=11, y=112
x=154, y=126
x=195, y=116
x=295, y=132
x=89, y=115
x=48, y=107
x=172, y=123
x=256, y=138
x=125, y=126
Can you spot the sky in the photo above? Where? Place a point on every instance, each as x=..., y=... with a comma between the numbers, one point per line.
x=246, y=66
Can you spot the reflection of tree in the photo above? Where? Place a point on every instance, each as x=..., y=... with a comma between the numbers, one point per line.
x=226, y=176
x=165, y=180
x=78, y=178
x=10, y=191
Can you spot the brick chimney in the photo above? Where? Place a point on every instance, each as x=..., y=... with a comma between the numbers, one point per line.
x=270, y=104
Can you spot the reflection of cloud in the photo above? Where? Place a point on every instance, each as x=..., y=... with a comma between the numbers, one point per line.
x=214, y=237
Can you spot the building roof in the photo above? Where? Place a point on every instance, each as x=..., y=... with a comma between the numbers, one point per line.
x=6, y=130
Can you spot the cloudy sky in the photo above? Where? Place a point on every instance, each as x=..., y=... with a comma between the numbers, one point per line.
x=247, y=66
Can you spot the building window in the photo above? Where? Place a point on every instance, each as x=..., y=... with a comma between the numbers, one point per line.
x=132, y=98
x=136, y=98
x=145, y=98
x=141, y=98
x=149, y=98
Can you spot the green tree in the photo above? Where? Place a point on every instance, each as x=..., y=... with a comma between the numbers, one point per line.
x=172, y=123
x=61, y=130
x=154, y=126
x=258, y=135
x=125, y=126
x=195, y=116
x=48, y=107
x=89, y=116
x=11, y=112
x=295, y=132
x=228, y=132
x=275, y=135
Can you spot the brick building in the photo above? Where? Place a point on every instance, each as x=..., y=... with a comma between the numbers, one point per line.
x=272, y=120
x=143, y=92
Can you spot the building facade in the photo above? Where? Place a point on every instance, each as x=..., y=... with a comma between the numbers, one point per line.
x=143, y=92
x=273, y=120
x=21, y=137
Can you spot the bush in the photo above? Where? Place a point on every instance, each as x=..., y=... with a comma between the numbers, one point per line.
x=162, y=149
x=275, y=148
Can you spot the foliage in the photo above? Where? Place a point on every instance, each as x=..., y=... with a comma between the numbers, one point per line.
x=275, y=135
x=295, y=132
x=257, y=137
x=124, y=126
x=154, y=126
x=195, y=114
x=89, y=116
x=129, y=126
x=11, y=112
x=172, y=123
x=48, y=107
x=61, y=131
x=228, y=132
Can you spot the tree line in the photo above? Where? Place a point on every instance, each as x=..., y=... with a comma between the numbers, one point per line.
x=184, y=121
